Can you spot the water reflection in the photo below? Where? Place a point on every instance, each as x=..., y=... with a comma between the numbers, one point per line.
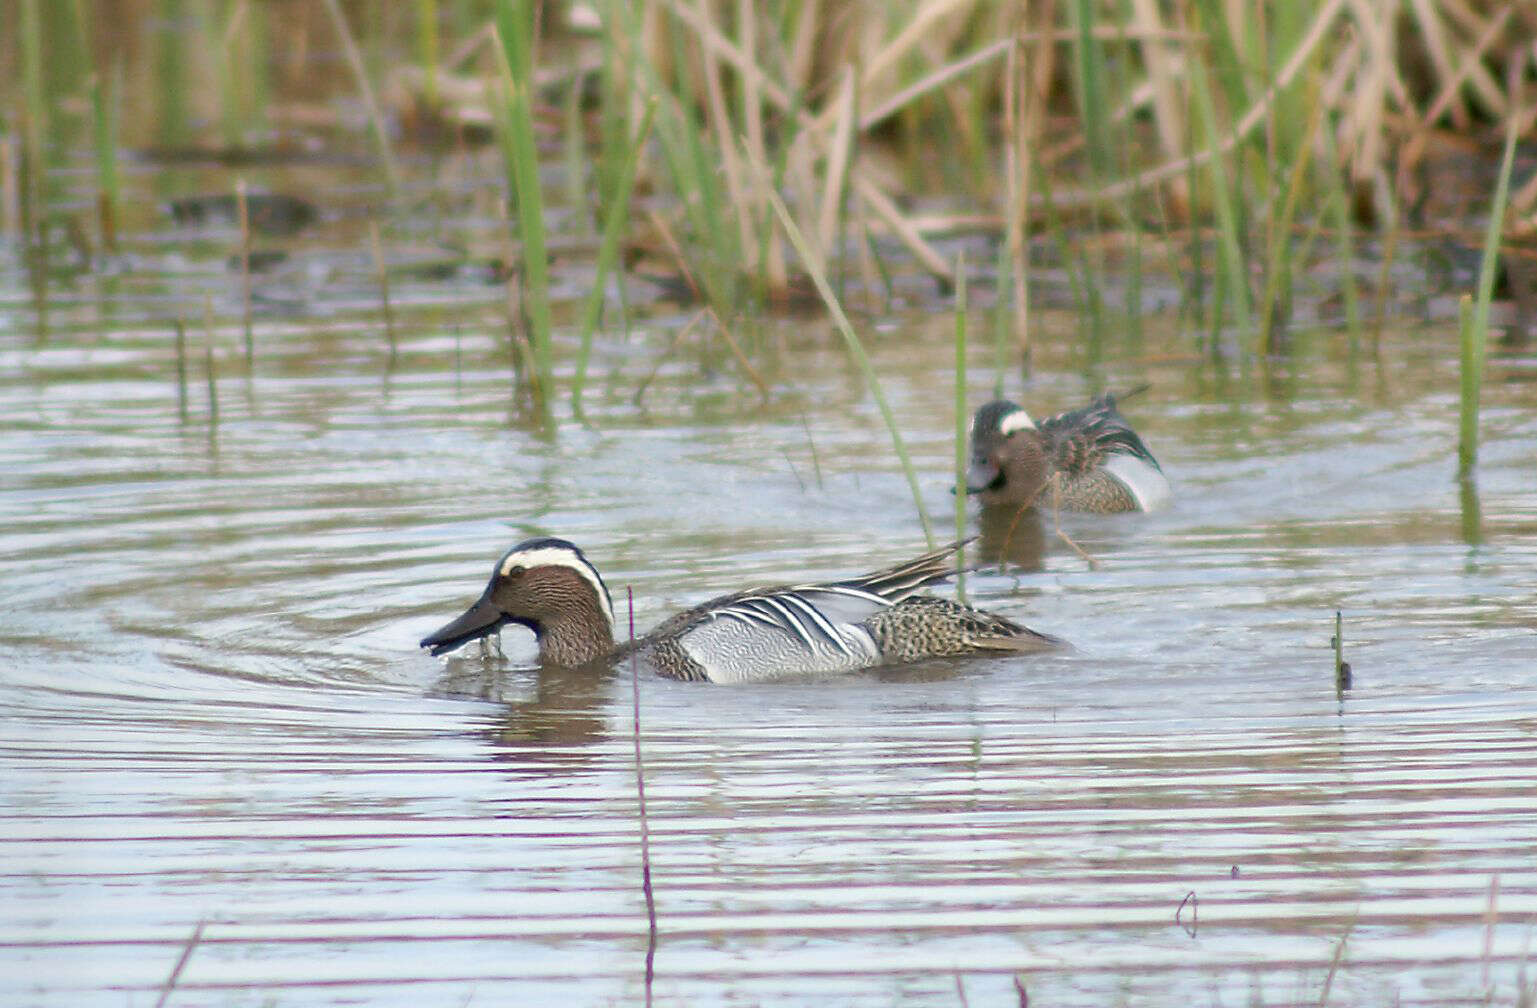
x=229, y=719
x=544, y=707
x=1013, y=537
x=1471, y=512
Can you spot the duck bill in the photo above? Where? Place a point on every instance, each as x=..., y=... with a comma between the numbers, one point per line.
x=981, y=476
x=479, y=620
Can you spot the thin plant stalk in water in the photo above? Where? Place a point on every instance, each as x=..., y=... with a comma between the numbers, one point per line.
x=959, y=484
x=209, y=366
x=818, y=273
x=513, y=34
x=640, y=796
x=243, y=211
x=384, y=287
x=608, y=249
x=181, y=964
x=1474, y=327
x=366, y=92
x=181, y=370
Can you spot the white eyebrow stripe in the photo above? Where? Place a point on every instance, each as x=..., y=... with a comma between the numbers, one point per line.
x=1015, y=420
x=555, y=556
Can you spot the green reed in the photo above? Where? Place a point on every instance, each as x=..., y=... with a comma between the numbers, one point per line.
x=514, y=28
x=959, y=485
x=106, y=92
x=1341, y=666
x=366, y=92
x=427, y=49
x=1473, y=325
x=1232, y=268
x=243, y=213
x=1279, y=244
x=1089, y=81
x=382, y=272
x=818, y=273
x=574, y=154
x=102, y=90
x=694, y=159
x=210, y=367
x=181, y=369
x=1338, y=214
x=34, y=102
x=172, y=88
x=617, y=216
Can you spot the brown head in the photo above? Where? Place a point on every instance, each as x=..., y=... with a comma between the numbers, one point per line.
x=1009, y=461
x=548, y=586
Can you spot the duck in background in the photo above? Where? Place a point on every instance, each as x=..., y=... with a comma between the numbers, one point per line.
x=1088, y=459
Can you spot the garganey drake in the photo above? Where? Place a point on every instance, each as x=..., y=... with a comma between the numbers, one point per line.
x=1097, y=460
x=550, y=587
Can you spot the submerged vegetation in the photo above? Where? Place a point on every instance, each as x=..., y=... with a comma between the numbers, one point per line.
x=1224, y=144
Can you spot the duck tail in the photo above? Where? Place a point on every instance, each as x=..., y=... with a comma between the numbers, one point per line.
x=898, y=581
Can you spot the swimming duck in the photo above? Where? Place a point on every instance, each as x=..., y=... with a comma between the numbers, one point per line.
x=549, y=586
x=1100, y=462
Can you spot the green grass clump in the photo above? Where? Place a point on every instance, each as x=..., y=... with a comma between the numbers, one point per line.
x=515, y=122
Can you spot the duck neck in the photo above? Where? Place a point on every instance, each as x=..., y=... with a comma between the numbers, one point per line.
x=573, y=639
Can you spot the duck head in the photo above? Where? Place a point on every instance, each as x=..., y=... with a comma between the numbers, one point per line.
x=548, y=586
x=1009, y=463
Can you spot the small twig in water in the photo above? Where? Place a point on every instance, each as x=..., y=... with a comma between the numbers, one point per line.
x=1008, y=538
x=678, y=337
x=384, y=287
x=243, y=208
x=181, y=370
x=1024, y=996
x=816, y=461
x=1334, y=964
x=1491, y=917
x=640, y=793
x=1195, y=904
x=1341, y=666
x=208, y=364
x=960, y=992
x=751, y=372
x=181, y=964
x=1056, y=517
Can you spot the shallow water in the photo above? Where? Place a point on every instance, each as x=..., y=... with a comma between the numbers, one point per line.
x=215, y=712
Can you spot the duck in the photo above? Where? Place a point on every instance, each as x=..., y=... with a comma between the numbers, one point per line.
x=1097, y=462
x=549, y=586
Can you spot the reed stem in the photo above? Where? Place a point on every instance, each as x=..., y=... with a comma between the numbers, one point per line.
x=181, y=964
x=1473, y=325
x=243, y=211
x=427, y=49
x=366, y=92
x=384, y=287
x=181, y=370
x=818, y=274
x=959, y=486
x=209, y=368
x=640, y=798
x=105, y=91
x=514, y=31
x=608, y=250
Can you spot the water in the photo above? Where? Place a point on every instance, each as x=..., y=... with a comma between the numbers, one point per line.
x=215, y=713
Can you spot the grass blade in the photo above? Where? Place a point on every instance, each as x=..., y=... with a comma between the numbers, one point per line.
x=608, y=249
x=1474, y=327
x=818, y=273
x=514, y=50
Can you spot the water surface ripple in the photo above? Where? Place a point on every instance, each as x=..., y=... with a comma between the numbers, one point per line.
x=212, y=709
